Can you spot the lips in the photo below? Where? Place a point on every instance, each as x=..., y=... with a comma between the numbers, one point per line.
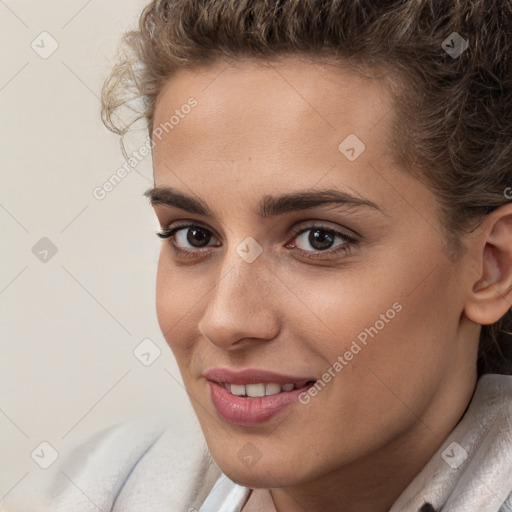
x=250, y=397
x=254, y=376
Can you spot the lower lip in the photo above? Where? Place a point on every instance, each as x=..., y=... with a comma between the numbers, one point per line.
x=251, y=410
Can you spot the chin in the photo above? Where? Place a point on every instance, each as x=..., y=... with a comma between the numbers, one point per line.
x=257, y=479
x=260, y=475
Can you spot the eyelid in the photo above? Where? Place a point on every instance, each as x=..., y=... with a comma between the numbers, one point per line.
x=350, y=235
x=167, y=232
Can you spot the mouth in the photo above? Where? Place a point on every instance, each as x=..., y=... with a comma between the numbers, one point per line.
x=252, y=397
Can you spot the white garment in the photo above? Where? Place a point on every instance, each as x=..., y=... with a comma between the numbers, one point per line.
x=137, y=467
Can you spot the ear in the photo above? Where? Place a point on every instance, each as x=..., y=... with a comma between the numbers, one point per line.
x=491, y=293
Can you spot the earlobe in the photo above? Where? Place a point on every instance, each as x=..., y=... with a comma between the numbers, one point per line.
x=491, y=293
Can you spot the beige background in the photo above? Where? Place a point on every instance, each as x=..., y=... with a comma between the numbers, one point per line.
x=71, y=322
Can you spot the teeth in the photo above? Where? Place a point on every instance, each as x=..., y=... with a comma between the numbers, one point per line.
x=237, y=389
x=272, y=389
x=258, y=390
x=255, y=390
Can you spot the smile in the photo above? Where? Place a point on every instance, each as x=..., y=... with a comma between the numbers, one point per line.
x=253, y=396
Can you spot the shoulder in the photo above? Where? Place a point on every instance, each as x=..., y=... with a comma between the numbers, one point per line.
x=123, y=467
x=472, y=470
x=478, y=454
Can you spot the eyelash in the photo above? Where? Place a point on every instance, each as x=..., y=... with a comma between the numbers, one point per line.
x=350, y=243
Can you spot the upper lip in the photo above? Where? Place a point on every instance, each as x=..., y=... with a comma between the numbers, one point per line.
x=253, y=376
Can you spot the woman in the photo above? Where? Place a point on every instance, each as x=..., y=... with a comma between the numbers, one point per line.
x=332, y=181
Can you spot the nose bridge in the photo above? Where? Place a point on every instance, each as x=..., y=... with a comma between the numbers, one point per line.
x=240, y=306
x=249, y=268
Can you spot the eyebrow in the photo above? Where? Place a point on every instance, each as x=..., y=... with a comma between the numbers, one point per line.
x=269, y=206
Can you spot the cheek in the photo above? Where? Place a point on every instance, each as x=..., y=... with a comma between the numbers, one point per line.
x=166, y=304
x=178, y=299
x=408, y=333
x=397, y=322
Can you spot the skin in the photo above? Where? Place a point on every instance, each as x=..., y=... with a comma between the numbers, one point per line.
x=264, y=129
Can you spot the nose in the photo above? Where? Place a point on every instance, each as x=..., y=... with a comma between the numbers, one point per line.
x=241, y=309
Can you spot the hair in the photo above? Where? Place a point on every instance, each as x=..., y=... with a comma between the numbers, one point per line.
x=452, y=122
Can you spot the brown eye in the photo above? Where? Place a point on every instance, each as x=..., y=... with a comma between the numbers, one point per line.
x=322, y=243
x=190, y=236
x=318, y=239
x=198, y=237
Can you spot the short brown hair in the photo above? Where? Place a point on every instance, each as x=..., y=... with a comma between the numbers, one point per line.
x=453, y=122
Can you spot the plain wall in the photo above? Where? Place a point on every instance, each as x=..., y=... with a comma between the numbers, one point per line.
x=70, y=321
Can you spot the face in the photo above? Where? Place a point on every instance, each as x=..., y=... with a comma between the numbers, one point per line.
x=297, y=252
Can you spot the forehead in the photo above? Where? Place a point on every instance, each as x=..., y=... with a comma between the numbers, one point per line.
x=274, y=104
x=259, y=128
